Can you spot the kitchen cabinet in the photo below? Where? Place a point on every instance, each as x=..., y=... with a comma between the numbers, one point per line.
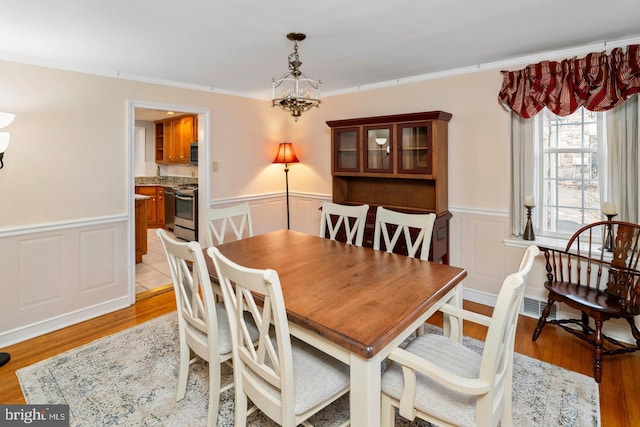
x=396, y=161
x=174, y=137
x=140, y=228
x=155, y=204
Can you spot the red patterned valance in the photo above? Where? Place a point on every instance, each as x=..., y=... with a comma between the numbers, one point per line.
x=598, y=82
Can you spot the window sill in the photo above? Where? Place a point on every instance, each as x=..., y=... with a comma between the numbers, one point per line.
x=551, y=243
x=547, y=242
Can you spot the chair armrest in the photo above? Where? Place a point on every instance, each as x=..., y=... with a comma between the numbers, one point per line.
x=474, y=386
x=461, y=313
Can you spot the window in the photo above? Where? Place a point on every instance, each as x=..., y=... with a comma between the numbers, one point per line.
x=573, y=155
x=573, y=165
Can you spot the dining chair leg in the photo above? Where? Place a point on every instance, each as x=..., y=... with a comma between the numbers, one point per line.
x=183, y=371
x=507, y=415
x=597, y=352
x=241, y=406
x=543, y=319
x=214, y=393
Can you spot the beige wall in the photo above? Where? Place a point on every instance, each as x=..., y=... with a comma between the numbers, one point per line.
x=478, y=132
x=68, y=152
x=69, y=155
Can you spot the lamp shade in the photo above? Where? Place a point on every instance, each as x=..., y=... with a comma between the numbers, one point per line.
x=4, y=141
x=6, y=119
x=285, y=154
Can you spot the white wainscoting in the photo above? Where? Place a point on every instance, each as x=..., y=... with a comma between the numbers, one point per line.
x=60, y=274
x=269, y=212
x=56, y=275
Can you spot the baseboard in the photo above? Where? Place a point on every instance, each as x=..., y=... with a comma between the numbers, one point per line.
x=24, y=333
x=531, y=307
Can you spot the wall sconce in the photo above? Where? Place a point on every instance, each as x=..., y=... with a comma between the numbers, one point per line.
x=5, y=120
x=286, y=155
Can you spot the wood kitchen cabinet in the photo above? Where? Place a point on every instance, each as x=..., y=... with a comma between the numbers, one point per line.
x=397, y=161
x=155, y=204
x=174, y=137
x=141, y=228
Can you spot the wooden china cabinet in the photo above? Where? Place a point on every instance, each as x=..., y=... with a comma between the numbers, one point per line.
x=397, y=161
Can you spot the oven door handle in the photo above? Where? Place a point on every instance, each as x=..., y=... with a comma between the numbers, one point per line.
x=187, y=198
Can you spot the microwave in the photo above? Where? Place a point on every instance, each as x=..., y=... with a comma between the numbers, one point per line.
x=194, y=153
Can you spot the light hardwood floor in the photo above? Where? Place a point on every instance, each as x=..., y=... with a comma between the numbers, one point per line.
x=619, y=391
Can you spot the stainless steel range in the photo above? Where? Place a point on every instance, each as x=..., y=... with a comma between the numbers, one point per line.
x=186, y=213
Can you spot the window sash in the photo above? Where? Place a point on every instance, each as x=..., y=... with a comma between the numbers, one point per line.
x=549, y=185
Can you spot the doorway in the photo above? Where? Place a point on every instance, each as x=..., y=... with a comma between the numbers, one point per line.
x=152, y=275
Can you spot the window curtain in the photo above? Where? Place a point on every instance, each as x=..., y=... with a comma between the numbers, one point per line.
x=598, y=82
x=622, y=160
x=522, y=168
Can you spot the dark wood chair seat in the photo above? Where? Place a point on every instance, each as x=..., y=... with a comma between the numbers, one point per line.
x=597, y=274
x=584, y=297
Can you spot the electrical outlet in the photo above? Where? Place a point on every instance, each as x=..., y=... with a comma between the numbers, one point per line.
x=214, y=167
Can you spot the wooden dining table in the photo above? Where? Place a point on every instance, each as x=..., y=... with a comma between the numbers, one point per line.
x=354, y=303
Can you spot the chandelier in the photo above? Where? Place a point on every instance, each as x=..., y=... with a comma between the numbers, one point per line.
x=294, y=91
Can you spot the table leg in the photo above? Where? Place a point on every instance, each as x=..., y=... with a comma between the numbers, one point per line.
x=364, y=395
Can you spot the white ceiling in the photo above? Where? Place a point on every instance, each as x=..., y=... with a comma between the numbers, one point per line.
x=238, y=46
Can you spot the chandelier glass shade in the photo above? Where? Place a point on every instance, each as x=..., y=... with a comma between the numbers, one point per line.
x=294, y=92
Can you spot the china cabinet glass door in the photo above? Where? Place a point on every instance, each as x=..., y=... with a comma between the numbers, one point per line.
x=347, y=149
x=379, y=149
x=415, y=148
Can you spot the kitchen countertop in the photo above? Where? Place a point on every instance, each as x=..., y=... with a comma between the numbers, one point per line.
x=164, y=181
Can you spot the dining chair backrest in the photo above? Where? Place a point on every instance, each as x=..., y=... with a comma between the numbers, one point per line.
x=497, y=358
x=350, y=220
x=264, y=372
x=458, y=386
x=237, y=218
x=269, y=361
x=202, y=324
x=416, y=230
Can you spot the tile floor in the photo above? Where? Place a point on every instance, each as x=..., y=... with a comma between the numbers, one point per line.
x=153, y=271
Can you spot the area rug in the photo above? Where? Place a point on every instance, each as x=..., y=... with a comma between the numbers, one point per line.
x=129, y=378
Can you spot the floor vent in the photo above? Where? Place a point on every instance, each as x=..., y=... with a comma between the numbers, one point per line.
x=533, y=308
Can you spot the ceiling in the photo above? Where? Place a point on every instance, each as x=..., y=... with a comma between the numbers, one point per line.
x=237, y=47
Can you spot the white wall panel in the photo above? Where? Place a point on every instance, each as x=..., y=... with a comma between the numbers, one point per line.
x=488, y=249
x=41, y=279
x=61, y=274
x=98, y=259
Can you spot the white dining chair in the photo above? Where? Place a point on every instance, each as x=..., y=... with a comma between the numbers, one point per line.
x=350, y=219
x=288, y=380
x=416, y=230
x=203, y=325
x=437, y=379
x=237, y=218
